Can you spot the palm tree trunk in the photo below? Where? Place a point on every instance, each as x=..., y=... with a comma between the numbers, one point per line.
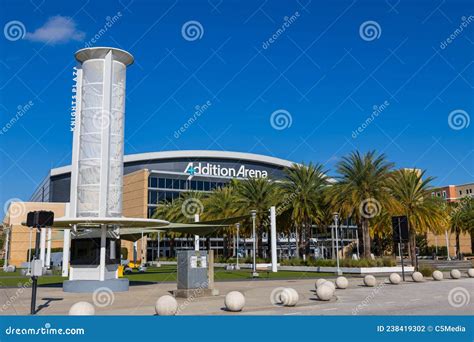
x=171, y=244
x=412, y=243
x=366, y=238
x=458, y=245
x=308, y=240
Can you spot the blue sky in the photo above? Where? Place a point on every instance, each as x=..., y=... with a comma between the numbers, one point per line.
x=323, y=72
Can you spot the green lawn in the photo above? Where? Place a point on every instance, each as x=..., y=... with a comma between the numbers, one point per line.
x=166, y=273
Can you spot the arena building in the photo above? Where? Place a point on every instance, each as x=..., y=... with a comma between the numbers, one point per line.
x=150, y=178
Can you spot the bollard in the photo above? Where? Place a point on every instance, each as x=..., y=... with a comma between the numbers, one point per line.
x=166, y=306
x=369, y=280
x=437, y=275
x=234, y=301
x=82, y=309
x=395, y=278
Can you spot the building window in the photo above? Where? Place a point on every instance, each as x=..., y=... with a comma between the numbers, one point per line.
x=460, y=192
x=444, y=194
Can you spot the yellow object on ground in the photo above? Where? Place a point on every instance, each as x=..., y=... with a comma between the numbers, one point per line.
x=120, y=271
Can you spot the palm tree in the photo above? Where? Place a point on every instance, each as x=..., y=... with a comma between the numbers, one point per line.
x=361, y=190
x=181, y=209
x=220, y=204
x=461, y=217
x=303, y=187
x=413, y=199
x=256, y=194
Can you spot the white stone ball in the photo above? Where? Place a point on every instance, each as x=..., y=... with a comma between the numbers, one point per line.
x=324, y=292
x=234, y=301
x=289, y=297
x=369, y=280
x=417, y=277
x=330, y=284
x=166, y=306
x=319, y=282
x=437, y=275
x=395, y=278
x=82, y=309
x=342, y=283
x=470, y=272
x=455, y=274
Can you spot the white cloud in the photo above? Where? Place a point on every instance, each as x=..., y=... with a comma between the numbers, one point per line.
x=56, y=30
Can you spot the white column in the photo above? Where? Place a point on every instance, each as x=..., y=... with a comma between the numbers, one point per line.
x=48, y=247
x=43, y=246
x=273, y=238
x=196, y=237
x=66, y=247
x=103, y=237
x=135, y=245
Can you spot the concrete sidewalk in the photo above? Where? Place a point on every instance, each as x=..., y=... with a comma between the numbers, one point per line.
x=427, y=298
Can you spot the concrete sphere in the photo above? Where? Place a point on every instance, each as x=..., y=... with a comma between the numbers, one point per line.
x=455, y=274
x=289, y=297
x=470, y=272
x=330, y=284
x=342, y=283
x=369, y=280
x=319, y=282
x=166, y=306
x=437, y=275
x=324, y=292
x=417, y=277
x=395, y=278
x=82, y=309
x=235, y=301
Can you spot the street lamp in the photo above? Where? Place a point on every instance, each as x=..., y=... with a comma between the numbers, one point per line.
x=336, y=219
x=237, y=267
x=254, y=266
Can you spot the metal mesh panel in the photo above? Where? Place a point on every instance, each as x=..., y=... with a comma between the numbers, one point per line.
x=102, y=129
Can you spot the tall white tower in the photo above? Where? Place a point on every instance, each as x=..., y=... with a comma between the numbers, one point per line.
x=98, y=142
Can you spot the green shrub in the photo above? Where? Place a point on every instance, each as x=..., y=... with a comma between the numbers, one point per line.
x=427, y=271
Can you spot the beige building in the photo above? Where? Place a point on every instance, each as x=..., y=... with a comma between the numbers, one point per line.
x=453, y=193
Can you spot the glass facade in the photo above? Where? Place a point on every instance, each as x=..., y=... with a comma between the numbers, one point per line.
x=166, y=188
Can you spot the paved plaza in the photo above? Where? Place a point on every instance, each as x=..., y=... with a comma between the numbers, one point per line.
x=446, y=297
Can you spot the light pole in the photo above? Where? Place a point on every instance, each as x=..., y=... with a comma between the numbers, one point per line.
x=254, y=266
x=336, y=219
x=237, y=267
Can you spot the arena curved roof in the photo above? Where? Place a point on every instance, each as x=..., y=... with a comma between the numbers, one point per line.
x=240, y=156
